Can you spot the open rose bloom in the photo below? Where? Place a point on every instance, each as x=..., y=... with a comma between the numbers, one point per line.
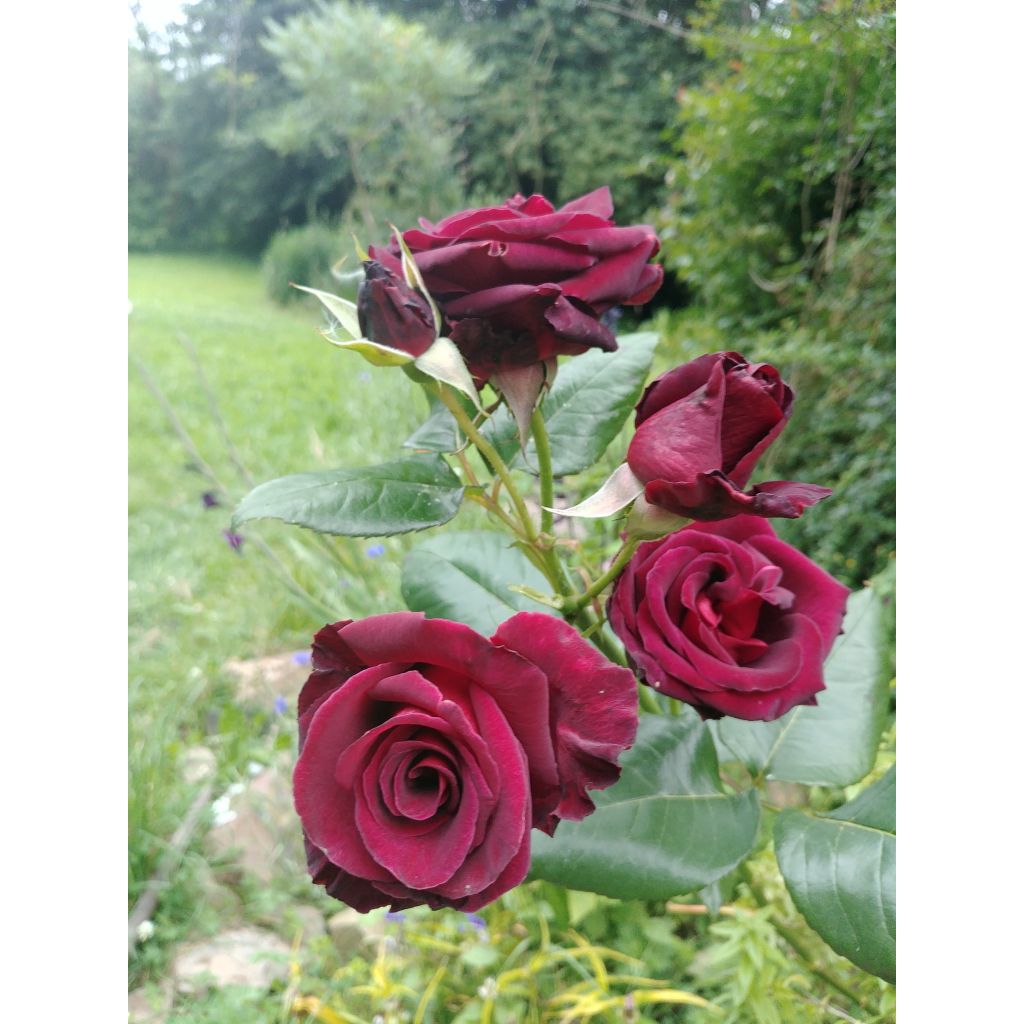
x=428, y=753
x=728, y=618
x=522, y=283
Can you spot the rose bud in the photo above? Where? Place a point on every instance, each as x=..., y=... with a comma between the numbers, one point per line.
x=522, y=283
x=700, y=430
x=728, y=618
x=393, y=314
x=427, y=753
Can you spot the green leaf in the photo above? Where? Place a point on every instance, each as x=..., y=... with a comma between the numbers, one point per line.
x=437, y=433
x=465, y=577
x=840, y=869
x=373, y=501
x=590, y=400
x=666, y=827
x=835, y=742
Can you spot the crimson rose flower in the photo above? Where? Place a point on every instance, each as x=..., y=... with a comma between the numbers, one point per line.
x=522, y=282
x=700, y=430
x=728, y=618
x=427, y=753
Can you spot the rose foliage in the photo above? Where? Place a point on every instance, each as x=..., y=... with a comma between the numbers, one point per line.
x=431, y=756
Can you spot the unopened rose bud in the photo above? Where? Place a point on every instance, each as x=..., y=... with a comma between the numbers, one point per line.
x=393, y=314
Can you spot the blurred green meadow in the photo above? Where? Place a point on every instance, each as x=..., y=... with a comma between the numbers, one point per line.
x=288, y=402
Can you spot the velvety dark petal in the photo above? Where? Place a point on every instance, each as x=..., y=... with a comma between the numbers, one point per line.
x=599, y=202
x=613, y=279
x=519, y=687
x=511, y=818
x=572, y=323
x=475, y=266
x=555, y=225
x=785, y=499
x=512, y=875
x=818, y=595
x=677, y=384
x=651, y=279
x=322, y=685
x=593, y=707
x=610, y=240
x=681, y=440
x=751, y=420
x=358, y=893
x=331, y=653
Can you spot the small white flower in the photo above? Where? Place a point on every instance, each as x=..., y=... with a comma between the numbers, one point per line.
x=488, y=990
x=236, y=788
x=145, y=931
x=254, y=768
x=221, y=808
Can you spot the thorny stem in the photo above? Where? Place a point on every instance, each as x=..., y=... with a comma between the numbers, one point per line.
x=539, y=544
x=575, y=601
x=647, y=700
x=547, y=483
x=488, y=451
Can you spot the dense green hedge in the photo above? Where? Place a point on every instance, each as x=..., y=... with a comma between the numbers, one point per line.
x=781, y=219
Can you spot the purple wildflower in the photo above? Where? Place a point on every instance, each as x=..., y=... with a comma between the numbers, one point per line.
x=396, y=916
x=301, y=657
x=280, y=704
x=234, y=540
x=477, y=922
x=210, y=500
x=375, y=550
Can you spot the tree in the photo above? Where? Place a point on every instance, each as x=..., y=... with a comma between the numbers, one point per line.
x=378, y=96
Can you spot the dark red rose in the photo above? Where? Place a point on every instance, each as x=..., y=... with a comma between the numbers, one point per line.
x=427, y=753
x=522, y=282
x=700, y=430
x=393, y=314
x=728, y=618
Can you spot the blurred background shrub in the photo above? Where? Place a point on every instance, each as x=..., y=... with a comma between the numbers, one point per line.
x=304, y=256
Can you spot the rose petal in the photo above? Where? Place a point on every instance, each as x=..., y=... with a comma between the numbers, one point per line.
x=593, y=708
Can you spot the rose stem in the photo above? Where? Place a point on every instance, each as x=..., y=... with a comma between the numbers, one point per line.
x=547, y=482
x=488, y=451
x=546, y=558
x=647, y=699
x=576, y=601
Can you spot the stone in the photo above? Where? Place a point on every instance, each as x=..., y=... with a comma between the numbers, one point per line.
x=198, y=764
x=304, y=919
x=347, y=932
x=241, y=956
x=150, y=1005
x=260, y=681
x=258, y=828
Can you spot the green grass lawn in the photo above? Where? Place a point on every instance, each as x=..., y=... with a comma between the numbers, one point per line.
x=290, y=402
